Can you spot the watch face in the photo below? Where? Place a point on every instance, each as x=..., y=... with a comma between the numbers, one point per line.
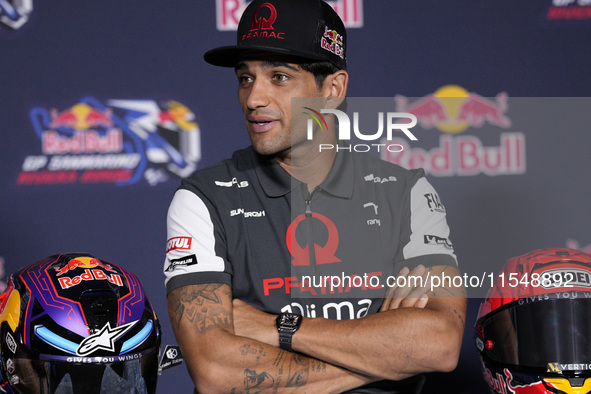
x=289, y=320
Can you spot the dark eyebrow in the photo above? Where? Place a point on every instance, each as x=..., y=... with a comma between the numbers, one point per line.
x=269, y=64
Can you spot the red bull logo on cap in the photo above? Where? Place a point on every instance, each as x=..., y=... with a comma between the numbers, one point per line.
x=453, y=110
x=332, y=41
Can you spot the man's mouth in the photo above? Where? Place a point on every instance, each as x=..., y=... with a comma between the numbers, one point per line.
x=260, y=124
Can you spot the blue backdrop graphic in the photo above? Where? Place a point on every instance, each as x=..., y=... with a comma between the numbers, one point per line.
x=103, y=103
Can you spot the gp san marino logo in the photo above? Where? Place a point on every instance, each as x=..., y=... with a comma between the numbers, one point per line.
x=121, y=142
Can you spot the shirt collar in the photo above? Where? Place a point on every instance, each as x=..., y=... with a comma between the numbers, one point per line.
x=274, y=180
x=277, y=182
x=340, y=179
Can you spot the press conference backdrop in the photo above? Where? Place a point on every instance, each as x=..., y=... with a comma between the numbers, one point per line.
x=105, y=105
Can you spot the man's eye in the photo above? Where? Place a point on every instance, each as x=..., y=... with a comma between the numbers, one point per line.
x=280, y=77
x=243, y=80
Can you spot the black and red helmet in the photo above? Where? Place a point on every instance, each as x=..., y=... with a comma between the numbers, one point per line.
x=533, y=331
x=73, y=323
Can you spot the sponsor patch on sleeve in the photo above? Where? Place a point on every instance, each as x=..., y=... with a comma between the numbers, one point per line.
x=175, y=243
x=183, y=261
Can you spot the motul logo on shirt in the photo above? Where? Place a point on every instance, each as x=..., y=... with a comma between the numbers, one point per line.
x=183, y=243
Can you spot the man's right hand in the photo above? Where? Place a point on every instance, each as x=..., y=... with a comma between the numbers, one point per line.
x=408, y=296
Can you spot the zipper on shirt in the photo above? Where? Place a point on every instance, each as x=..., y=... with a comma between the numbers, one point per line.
x=310, y=230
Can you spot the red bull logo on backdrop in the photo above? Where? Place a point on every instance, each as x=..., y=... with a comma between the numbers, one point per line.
x=571, y=10
x=228, y=12
x=452, y=110
x=124, y=143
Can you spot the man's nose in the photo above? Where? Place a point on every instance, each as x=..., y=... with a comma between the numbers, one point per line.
x=259, y=94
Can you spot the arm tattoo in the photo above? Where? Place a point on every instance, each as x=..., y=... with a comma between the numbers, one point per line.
x=459, y=315
x=247, y=350
x=299, y=370
x=200, y=306
x=291, y=370
x=257, y=382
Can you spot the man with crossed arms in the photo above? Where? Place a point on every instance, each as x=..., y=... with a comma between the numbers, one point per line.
x=242, y=320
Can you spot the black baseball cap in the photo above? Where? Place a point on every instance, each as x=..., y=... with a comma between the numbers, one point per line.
x=307, y=29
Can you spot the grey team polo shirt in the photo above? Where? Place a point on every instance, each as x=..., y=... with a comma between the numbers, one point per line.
x=247, y=223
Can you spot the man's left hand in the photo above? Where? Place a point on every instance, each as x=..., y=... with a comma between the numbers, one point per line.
x=255, y=324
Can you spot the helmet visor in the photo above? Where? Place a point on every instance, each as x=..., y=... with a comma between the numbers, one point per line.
x=137, y=376
x=530, y=333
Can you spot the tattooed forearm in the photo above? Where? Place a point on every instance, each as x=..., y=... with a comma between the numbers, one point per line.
x=199, y=305
x=278, y=364
x=317, y=366
x=255, y=382
x=288, y=370
x=257, y=353
x=299, y=370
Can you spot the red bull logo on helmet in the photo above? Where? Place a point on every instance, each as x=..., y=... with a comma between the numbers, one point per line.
x=89, y=275
x=83, y=262
x=453, y=110
x=503, y=384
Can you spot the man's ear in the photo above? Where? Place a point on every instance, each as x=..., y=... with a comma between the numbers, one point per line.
x=335, y=88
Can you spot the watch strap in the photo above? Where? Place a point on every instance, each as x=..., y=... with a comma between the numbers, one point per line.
x=285, y=338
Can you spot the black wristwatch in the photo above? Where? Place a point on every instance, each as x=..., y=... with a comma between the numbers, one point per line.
x=287, y=325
